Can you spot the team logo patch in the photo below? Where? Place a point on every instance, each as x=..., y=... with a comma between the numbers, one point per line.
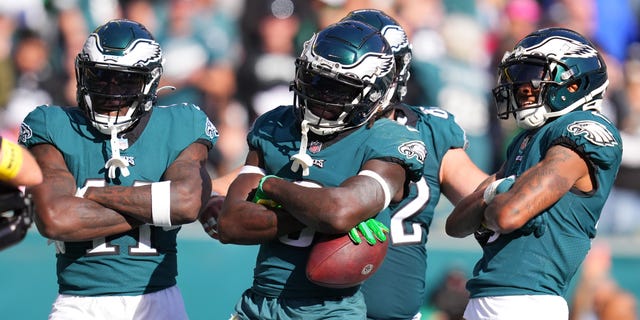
x=413, y=149
x=211, y=130
x=315, y=146
x=318, y=163
x=594, y=132
x=25, y=133
x=131, y=160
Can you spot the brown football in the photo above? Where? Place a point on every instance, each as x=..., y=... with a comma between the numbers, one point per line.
x=336, y=262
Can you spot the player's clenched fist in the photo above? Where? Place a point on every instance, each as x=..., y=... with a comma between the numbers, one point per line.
x=209, y=216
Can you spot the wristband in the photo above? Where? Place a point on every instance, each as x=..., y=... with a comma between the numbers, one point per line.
x=383, y=184
x=10, y=161
x=262, y=180
x=252, y=169
x=161, y=203
x=496, y=187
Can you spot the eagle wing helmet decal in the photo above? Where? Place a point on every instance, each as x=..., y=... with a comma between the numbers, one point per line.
x=396, y=37
x=140, y=53
x=561, y=47
x=368, y=68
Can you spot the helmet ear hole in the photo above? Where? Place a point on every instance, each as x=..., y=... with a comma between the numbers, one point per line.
x=574, y=86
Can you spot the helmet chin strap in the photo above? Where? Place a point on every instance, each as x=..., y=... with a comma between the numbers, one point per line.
x=302, y=159
x=116, y=160
x=531, y=118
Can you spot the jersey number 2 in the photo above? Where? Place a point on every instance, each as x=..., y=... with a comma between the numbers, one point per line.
x=401, y=235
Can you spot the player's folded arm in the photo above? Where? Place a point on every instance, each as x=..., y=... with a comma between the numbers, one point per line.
x=59, y=213
x=537, y=189
x=338, y=209
x=467, y=216
x=242, y=221
x=164, y=203
x=189, y=177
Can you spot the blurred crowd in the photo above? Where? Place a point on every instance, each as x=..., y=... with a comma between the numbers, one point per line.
x=235, y=60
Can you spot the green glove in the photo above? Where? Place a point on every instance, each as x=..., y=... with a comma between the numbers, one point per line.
x=261, y=198
x=371, y=229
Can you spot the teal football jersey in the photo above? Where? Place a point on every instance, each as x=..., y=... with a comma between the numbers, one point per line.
x=519, y=264
x=280, y=266
x=405, y=264
x=142, y=260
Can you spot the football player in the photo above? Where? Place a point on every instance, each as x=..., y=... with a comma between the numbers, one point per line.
x=535, y=218
x=121, y=175
x=448, y=170
x=334, y=139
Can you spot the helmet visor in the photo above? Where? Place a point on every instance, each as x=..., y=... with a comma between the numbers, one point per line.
x=520, y=86
x=111, y=89
x=325, y=89
x=109, y=81
x=327, y=97
x=521, y=73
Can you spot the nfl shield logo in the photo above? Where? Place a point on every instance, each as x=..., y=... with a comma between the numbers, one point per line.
x=524, y=143
x=315, y=146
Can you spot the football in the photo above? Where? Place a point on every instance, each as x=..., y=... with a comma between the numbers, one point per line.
x=336, y=262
